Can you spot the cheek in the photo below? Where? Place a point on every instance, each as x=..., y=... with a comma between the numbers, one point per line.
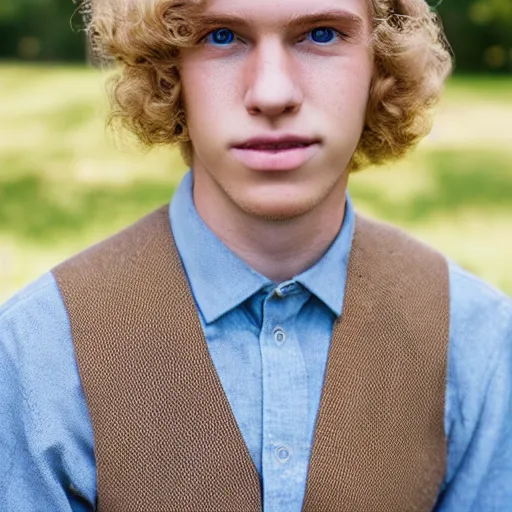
x=210, y=91
x=340, y=88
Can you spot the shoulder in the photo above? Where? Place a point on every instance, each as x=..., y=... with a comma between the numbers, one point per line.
x=480, y=337
x=478, y=394
x=480, y=356
x=34, y=330
x=42, y=406
x=481, y=318
x=475, y=289
x=33, y=304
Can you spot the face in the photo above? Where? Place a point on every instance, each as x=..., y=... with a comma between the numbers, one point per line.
x=275, y=94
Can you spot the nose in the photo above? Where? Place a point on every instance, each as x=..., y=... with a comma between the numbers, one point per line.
x=272, y=87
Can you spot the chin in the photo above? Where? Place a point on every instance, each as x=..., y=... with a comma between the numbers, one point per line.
x=276, y=210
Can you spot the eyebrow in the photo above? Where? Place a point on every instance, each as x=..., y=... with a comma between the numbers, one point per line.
x=328, y=15
x=295, y=20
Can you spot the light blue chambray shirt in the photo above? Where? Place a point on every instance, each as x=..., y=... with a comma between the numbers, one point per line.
x=269, y=343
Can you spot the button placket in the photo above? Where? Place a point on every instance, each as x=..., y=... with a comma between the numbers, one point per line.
x=285, y=396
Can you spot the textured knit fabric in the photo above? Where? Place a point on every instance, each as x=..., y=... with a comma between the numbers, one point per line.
x=165, y=435
x=46, y=446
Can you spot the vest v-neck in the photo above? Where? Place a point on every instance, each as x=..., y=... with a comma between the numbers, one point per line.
x=165, y=435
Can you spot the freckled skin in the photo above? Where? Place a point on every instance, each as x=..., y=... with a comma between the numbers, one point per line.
x=274, y=79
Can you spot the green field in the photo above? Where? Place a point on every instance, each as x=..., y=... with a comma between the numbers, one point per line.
x=64, y=183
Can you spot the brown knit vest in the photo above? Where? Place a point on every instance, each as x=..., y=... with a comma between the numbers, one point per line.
x=165, y=435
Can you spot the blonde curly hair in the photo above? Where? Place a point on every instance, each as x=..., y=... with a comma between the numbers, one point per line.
x=411, y=62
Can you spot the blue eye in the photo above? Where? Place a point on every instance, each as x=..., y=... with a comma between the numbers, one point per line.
x=220, y=37
x=323, y=35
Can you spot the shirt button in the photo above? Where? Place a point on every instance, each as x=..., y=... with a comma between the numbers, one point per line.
x=279, y=335
x=283, y=454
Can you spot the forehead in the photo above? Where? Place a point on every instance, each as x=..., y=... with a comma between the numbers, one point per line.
x=281, y=11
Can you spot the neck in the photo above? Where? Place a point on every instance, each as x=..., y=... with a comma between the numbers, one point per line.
x=279, y=249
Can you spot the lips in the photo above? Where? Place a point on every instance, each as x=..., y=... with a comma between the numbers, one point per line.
x=276, y=143
x=274, y=146
x=278, y=153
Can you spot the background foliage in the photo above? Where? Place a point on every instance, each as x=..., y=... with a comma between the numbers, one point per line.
x=480, y=32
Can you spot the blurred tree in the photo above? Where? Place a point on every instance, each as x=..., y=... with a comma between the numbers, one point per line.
x=39, y=30
x=480, y=33
x=487, y=11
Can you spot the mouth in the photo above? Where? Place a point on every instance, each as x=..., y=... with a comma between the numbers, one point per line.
x=273, y=146
x=285, y=153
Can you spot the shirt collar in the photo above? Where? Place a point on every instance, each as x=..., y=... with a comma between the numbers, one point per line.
x=220, y=281
x=327, y=278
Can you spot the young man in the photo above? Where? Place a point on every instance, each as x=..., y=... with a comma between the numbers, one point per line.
x=258, y=345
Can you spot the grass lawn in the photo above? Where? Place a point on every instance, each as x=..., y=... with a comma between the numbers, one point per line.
x=64, y=184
